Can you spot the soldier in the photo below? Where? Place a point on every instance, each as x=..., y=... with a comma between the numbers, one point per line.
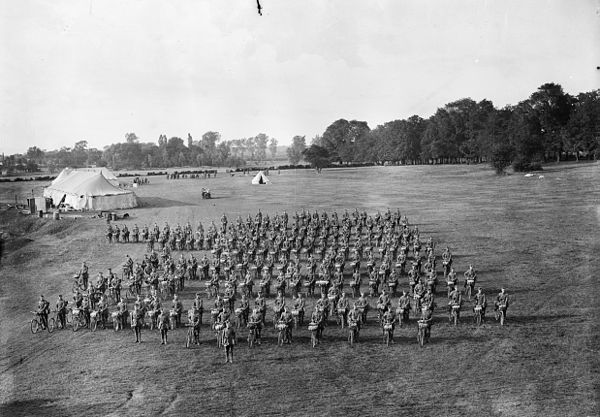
x=501, y=300
x=480, y=300
x=136, y=322
x=178, y=307
x=255, y=319
x=43, y=309
x=343, y=305
x=228, y=341
x=299, y=305
x=363, y=306
x=61, y=311
x=84, y=274
x=428, y=299
x=163, y=326
x=287, y=318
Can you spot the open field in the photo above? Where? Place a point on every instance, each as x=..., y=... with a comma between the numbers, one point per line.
x=538, y=238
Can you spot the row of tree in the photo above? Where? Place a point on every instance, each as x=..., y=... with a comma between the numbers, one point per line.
x=549, y=125
x=210, y=150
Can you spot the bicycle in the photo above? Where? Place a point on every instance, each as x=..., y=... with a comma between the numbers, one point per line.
x=36, y=324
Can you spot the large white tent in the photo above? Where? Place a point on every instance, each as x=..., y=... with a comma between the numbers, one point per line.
x=88, y=189
x=65, y=173
x=260, y=178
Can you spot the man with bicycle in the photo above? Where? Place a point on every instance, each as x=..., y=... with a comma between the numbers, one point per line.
x=43, y=309
x=61, y=311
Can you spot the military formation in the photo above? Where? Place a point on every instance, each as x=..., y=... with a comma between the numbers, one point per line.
x=347, y=270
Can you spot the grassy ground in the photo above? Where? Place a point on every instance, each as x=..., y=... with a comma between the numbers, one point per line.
x=538, y=238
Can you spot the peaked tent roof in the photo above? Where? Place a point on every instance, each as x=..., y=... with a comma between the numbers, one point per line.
x=260, y=178
x=79, y=172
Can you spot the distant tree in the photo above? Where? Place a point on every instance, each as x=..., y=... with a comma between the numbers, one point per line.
x=317, y=156
x=501, y=157
x=261, y=140
x=582, y=133
x=131, y=138
x=341, y=136
x=295, y=151
x=36, y=154
x=223, y=152
x=273, y=147
x=552, y=107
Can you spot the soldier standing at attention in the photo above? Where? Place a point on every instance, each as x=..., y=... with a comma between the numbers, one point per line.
x=228, y=341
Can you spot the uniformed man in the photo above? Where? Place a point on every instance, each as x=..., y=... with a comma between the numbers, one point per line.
x=61, y=311
x=43, y=309
x=228, y=341
x=480, y=300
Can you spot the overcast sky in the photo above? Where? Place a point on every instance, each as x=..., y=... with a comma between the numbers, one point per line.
x=95, y=70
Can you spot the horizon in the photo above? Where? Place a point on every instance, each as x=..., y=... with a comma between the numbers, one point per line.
x=94, y=72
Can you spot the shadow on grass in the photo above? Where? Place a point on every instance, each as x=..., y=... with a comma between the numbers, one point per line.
x=38, y=407
x=160, y=202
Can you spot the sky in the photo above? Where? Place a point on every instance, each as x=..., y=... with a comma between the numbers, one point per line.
x=95, y=70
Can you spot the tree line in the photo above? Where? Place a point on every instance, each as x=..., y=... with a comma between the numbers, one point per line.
x=548, y=126
x=209, y=150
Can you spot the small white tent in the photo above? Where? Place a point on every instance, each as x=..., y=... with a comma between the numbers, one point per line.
x=260, y=178
x=88, y=190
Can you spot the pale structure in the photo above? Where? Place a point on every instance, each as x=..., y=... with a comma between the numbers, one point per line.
x=260, y=178
x=89, y=189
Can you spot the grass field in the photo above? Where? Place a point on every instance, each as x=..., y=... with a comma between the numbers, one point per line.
x=538, y=238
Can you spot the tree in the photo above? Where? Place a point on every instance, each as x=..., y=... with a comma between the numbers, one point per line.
x=36, y=154
x=318, y=156
x=261, y=140
x=582, y=133
x=341, y=136
x=131, y=138
x=273, y=147
x=295, y=151
x=501, y=157
x=552, y=107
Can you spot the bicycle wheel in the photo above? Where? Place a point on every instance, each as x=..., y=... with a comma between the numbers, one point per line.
x=421, y=337
x=478, y=319
x=76, y=323
x=93, y=324
x=387, y=338
x=501, y=318
x=351, y=337
x=251, y=339
x=313, y=339
x=35, y=325
x=280, y=339
x=51, y=324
